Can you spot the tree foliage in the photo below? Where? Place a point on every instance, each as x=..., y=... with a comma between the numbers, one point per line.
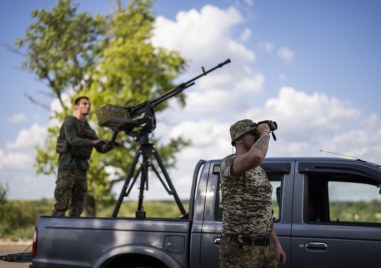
x=62, y=47
x=3, y=194
x=110, y=59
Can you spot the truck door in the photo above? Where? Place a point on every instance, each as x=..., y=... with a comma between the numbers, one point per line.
x=212, y=219
x=336, y=215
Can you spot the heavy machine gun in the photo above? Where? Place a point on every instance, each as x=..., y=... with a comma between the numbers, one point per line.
x=138, y=121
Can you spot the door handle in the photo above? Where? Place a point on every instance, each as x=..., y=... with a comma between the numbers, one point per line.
x=217, y=241
x=317, y=245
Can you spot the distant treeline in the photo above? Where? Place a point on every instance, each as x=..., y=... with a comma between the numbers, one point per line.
x=360, y=211
x=17, y=218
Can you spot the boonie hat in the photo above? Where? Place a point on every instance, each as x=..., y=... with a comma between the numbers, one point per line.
x=239, y=128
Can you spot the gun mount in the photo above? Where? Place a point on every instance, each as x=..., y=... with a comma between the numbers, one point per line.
x=138, y=121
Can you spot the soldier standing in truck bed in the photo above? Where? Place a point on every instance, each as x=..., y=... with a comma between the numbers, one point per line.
x=75, y=144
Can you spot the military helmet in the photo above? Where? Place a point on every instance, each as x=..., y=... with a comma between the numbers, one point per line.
x=241, y=127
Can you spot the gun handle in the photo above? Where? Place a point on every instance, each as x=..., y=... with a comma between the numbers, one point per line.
x=114, y=135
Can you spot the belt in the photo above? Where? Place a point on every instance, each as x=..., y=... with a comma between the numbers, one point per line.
x=249, y=241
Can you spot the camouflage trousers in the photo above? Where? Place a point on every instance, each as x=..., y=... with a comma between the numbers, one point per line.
x=71, y=188
x=234, y=255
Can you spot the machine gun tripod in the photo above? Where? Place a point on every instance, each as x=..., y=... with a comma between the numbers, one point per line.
x=138, y=121
x=145, y=151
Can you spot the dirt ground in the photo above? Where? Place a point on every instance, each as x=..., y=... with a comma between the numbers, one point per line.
x=10, y=248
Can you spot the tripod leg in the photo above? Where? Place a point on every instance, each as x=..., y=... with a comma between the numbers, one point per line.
x=165, y=173
x=140, y=213
x=161, y=180
x=126, y=183
x=133, y=181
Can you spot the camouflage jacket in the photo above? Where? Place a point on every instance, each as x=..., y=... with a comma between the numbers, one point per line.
x=77, y=136
x=246, y=200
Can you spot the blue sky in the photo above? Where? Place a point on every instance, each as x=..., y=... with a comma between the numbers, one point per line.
x=313, y=66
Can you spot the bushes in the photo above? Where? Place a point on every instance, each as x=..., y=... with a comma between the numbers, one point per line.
x=17, y=218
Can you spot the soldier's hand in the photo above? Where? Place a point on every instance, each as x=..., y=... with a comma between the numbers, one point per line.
x=263, y=128
x=98, y=142
x=116, y=143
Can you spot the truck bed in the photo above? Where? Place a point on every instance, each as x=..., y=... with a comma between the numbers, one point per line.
x=63, y=237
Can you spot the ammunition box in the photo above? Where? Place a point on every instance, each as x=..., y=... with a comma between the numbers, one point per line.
x=114, y=117
x=107, y=112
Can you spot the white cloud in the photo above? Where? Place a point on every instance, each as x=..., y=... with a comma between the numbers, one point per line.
x=249, y=2
x=315, y=110
x=28, y=138
x=15, y=160
x=203, y=36
x=56, y=106
x=17, y=118
x=206, y=37
x=267, y=46
x=360, y=142
x=286, y=54
x=16, y=164
x=207, y=101
x=246, y=34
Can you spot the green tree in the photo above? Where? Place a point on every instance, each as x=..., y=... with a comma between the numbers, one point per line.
x=111, y=60
x=61, y=49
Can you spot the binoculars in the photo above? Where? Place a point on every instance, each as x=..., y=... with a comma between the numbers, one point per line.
x=272, y=124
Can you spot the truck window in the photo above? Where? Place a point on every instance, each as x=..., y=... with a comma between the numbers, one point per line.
x=276, y=182
x=342, y=199
x=354, y=202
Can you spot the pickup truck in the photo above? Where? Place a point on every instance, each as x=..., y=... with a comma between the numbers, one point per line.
x=327, y=213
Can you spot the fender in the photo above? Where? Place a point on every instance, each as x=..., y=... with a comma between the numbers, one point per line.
x=136, y=249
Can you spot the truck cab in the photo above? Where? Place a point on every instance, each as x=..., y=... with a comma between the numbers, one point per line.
x=325, y=212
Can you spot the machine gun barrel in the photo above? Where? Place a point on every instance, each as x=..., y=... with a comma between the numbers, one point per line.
x=139, y=108
x=138, y=120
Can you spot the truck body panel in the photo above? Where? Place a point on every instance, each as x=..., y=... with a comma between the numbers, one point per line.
x=84, y=240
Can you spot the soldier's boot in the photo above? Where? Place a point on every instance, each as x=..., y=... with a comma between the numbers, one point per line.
x=58, y=213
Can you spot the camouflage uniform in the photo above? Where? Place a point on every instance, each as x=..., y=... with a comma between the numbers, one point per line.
x=74, y=147
x=71, y=188
x=247, y=215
